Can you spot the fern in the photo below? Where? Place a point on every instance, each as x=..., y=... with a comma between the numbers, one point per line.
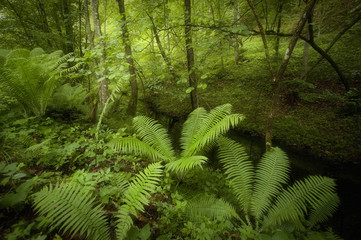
x=155, y=135
x=200, y=132
x=134, y=145
x=309, y=201
x=211, y=207
x=136, y=196
x=191, y=126
x=272, y=172
x=31, y=77
x=292, y=204
x=71, y=208
x=238, y=169
x=216, y=123
x=184, y=164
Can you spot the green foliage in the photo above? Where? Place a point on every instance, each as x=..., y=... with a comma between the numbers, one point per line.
x=210, y=207
x=199, y=133
x=71, y=208
x=305, y=203
x=69, y=98
x=31, y=77
x=136, y=196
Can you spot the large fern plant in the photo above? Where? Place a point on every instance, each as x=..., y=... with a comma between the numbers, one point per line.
x=73, y=209
x=264, y=203
x=200, y=132
x=32, y=76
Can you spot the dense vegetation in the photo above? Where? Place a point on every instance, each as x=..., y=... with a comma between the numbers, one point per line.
x=119, y=119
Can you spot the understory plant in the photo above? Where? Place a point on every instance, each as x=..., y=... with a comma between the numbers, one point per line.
x=74, y=209
x=32, y=76
x=265, y=209
x=200, y=132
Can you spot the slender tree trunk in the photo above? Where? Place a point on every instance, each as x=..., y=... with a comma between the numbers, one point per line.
x=69, y=34
x=132, y=105
x=161, y=49
x=279, y=24
x=190, y=54
x=103, y=85
x=281, y=71
x=263, y=35
x=87, y=24
x=80, y=11
x=339, y=35
x=44, y=19
x=236, y=41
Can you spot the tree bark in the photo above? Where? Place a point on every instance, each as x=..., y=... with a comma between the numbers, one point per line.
x=339, y=35
x=236, y=41
x=281, y=71
x=68, y=27
x=263, y=36
x=103, y=85
x=132, y=105
x=87, y=24
x=190, y=54
x=161, y=49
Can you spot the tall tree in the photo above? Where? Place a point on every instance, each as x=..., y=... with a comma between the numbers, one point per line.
x=103, y=84
x=132, y=105
x=190, y=54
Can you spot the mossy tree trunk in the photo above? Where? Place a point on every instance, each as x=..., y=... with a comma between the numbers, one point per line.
x=132, y=104
x=190, y=54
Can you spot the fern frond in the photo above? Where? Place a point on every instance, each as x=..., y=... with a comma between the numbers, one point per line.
x=71, y=208
x=121, y=181
x=184, y=164
x=292, y=204
x=215, y=124
x=238, y=169
x=322, y=209
x=136, y=196
x=322, y=236
x=272, y=172
x=136, y=146
x=154, y=134
x=191, y=126
x=211, y=207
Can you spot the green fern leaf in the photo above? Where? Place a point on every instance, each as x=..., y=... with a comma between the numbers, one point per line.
x=211, y=207
x=238, y=169
x=71, y=208
x=136, y=146
x=136, y=196
x=272, y=172
x=152, y=133
x=322, y=209
x=292, y=204
x=184, y=164
x=217, y=122
x=191, y=126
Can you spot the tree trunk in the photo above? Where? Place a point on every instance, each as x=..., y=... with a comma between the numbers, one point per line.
x=69, y=34
x=103, y=85
x=80, y=11
x=190, y=54
x=132, y=105
x=263, y=35
x=236, y=41
x=87, y=24
x=281, y=71
x=161, y=49
x=279, y=24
